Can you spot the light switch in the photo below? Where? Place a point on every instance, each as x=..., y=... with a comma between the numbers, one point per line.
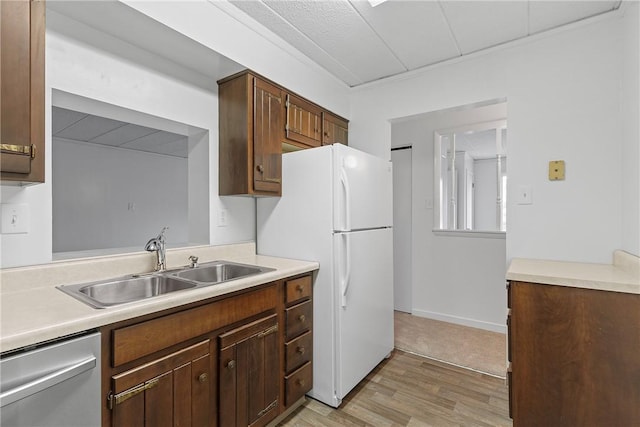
x=15, y=218
x=525, y=195
x=556, y=170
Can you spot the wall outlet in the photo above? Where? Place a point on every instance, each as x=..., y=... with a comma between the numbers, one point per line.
x=525, y=195
x=223, y=215
x=15, y=218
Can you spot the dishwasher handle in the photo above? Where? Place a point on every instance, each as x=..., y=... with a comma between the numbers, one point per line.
x=49, y=380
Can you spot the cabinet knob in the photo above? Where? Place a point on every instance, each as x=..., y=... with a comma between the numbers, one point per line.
x=299, y=288
x=300, y=382
x=203, y=377
x=231, y=364
x=260, y=168
x=302, y=318
x=300, y=350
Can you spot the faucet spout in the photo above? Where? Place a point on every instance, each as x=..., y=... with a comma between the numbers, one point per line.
x=157, y=245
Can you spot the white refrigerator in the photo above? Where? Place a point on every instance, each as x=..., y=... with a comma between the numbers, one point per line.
x=336, y=208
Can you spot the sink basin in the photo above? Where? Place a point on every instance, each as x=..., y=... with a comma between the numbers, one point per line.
x=218, y=272
x=119, y=291
x=123, y=290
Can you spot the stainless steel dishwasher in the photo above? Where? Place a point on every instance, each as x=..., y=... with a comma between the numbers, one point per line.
x=54, y=385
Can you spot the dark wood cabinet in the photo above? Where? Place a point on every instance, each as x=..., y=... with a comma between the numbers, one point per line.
x=304, y=122
x=298, y=338
x=229, y=361
x=335, y=130
x=251, y=130
x=22, y=142
x=573, y=356
x=248, y=374
x=173, y=390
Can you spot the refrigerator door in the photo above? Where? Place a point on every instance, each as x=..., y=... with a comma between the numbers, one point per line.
x=364, y=304
x=362, y=187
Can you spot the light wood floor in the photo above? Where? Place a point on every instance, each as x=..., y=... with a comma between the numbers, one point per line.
x=410, y=390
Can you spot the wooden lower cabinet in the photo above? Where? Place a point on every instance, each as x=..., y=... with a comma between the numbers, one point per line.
x=229, y=361
x=170, y=391
x=248, y=380
x=574, y=356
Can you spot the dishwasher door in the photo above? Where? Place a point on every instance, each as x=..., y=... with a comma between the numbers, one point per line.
x=52, y=386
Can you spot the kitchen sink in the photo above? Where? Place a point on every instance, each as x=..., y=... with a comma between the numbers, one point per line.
x=106, y=293
x=219, y=272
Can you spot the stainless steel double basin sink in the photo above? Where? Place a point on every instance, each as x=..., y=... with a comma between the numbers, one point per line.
x=106, y=293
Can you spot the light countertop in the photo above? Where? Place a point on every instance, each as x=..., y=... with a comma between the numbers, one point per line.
x=623, y=275
x=33, y=310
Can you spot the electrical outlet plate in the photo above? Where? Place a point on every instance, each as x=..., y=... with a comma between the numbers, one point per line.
x=556, y=170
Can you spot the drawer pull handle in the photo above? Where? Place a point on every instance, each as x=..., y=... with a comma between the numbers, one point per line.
x=299, y=288
x=300, y=382
x=231, y=364
x=202, y=377
x=302, y=318
x=300, y=350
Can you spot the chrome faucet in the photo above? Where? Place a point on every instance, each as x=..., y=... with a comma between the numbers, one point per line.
x=156, y=244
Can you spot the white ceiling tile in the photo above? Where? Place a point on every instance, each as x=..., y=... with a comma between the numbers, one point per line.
x=417, y=31
x=88, y=128
x=123, y=134
x=544, y=15
x=481, y=24
x=337, y=28
x=154, y=141
x=266, y=16
x=62, y=118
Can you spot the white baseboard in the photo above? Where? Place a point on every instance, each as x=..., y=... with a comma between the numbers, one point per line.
x=480, y=324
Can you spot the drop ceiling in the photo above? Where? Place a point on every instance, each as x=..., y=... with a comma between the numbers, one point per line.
x=359, y=43
x=82, y=127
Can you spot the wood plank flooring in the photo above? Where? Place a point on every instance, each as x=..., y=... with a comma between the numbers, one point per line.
x=410, y=390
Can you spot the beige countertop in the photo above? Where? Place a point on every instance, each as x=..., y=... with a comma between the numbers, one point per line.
x=32, y=310
x=623, y=275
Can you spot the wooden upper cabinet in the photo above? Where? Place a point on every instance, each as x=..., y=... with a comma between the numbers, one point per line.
x=22, y=27
x=304, y=122
x=251, y=130
x=334, y=129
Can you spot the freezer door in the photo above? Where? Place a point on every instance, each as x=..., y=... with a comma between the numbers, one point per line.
x=364, y=304
x=362, y=188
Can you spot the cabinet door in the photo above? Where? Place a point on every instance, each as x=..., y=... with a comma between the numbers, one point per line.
x=334, y=130
x=22, y=27
x=303, y=122
x=267, y=137
x=249, y=382
x=172, y=391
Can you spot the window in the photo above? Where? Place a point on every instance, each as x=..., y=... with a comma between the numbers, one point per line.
x=471, y=177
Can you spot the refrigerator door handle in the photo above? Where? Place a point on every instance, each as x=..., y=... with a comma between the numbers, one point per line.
x=346, y=280
x=347, y=199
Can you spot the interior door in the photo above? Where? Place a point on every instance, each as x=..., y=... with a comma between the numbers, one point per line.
x=402, y=277
x=364, y=291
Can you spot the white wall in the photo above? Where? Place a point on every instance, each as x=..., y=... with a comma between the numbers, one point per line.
x=94, y=186
x=563, y=89
x=630, y=130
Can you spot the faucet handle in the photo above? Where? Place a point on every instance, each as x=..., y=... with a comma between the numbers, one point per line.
x=194, y=261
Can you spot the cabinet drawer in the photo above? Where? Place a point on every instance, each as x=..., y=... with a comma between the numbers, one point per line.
x=298, y=383
x=298, y=289
x=299, y=351
x=298, y=319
